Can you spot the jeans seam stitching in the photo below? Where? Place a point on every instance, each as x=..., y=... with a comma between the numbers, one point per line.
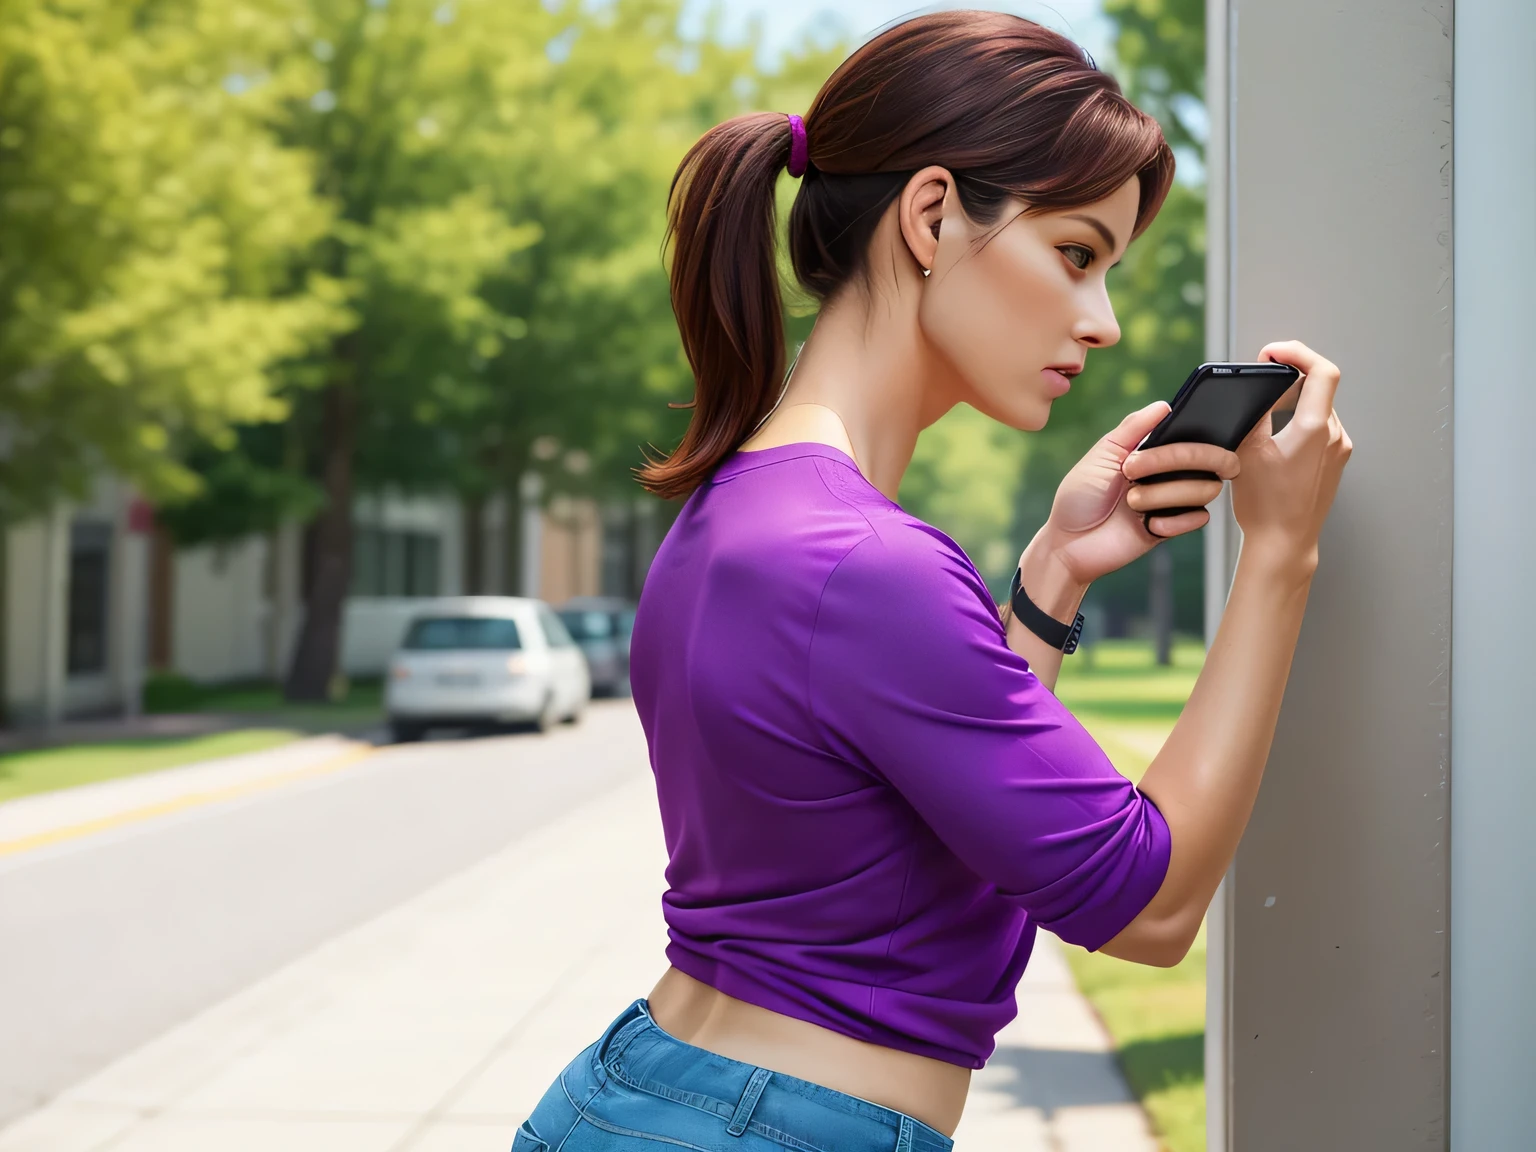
x=622, y=1131
x=655, y=1088
x=662, y=1092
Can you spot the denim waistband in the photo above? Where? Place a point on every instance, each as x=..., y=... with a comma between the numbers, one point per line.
x=637, y=1051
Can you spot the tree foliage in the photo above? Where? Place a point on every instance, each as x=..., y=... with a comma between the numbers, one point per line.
x=148, y=228
x=259, y=255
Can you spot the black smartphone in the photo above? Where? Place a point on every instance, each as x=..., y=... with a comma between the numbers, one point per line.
x=1219, y=404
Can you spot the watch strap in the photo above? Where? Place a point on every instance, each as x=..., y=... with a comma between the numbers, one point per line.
x=1047, y=627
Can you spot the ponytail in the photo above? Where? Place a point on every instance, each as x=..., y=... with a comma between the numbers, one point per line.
x=725, y=291
x=1011, y=109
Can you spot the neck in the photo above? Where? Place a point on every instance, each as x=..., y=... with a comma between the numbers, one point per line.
x=863, y=382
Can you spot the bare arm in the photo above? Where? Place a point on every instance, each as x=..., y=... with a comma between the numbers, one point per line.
x=1206, y=777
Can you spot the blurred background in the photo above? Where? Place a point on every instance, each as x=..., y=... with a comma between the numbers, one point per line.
x=316, y=312
x=311, y=309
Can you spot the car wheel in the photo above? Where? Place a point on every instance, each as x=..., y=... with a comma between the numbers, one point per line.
x=546, y=719
x=403, y=732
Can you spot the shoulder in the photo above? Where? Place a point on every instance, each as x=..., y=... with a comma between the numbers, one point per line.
x=907, y=575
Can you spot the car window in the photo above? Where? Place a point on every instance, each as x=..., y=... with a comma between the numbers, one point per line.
x=461, y=634
x=554, y=630
x=587, y=625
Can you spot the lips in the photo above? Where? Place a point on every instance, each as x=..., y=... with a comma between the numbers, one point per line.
x=1059, y=381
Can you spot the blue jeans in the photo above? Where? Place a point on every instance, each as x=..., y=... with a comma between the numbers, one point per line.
x=637, y=1089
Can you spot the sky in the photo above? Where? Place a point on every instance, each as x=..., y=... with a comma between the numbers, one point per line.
x=783, y=20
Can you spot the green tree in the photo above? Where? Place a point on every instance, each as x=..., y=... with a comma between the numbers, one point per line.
x=601, y=362
x=149, y=227
x=404, y=107
x=498, y=174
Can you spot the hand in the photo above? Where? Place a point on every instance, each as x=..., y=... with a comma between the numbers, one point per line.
x=1289, y=480
x=1096, y=519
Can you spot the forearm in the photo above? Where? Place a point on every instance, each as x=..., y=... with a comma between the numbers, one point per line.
x=1054, y=591
x=1206, y=777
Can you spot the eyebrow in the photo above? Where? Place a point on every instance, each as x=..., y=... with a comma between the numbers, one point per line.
x=1109, y=237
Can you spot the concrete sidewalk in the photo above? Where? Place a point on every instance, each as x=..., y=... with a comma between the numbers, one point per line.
x=437, y=1026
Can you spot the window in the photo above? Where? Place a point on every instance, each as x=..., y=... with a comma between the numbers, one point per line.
x=390, y=563
x=86, y=629
x=421, y=563
x=462, y=634
x=554, y=630
x=588, y=625
x=367, y=562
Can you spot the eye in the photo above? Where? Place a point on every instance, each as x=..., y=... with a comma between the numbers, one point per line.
x=1080, y=256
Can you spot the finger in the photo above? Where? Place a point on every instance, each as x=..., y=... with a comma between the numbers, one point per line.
x=1172, y=494
x=1179, y=458
x=1166, y=527
x=1134, y=428
x=1349, y=445
x=1320, y=378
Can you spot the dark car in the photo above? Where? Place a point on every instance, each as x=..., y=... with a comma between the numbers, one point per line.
x=601, y=627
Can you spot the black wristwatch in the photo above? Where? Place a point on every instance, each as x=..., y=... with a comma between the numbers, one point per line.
x=1048, y=628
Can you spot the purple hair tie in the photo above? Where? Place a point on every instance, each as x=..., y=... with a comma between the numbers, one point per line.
x=799, y=147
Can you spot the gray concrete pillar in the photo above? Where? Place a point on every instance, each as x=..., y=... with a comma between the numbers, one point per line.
x=1331, y=193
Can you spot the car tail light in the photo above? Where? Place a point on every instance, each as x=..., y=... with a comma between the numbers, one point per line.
x=399, y=672
x=517, y=664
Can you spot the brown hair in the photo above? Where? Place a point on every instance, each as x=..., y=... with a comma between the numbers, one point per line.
x=1009, y=107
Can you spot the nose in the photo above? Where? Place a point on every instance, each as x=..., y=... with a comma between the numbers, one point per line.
x=1096, y=325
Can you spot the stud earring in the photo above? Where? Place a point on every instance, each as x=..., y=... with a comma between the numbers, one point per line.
x=926, y=271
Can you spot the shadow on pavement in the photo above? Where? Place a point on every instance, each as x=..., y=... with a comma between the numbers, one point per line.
x=1050, y=1078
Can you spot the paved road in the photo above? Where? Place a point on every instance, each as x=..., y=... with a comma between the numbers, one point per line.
x=108, y=941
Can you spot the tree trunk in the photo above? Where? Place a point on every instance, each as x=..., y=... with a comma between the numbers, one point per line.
x=473, y=510
x=316, y=656
x=162, y=600
x=1161, y=604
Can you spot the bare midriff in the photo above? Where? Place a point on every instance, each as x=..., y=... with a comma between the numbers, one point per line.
x=926, y=1089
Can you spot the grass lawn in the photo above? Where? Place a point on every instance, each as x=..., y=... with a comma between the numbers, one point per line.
x=45, y=769
x=362, y=706
x=1156, y=1015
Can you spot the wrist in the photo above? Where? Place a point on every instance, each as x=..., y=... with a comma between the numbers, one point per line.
x=1282, y=561
x=1047, y=581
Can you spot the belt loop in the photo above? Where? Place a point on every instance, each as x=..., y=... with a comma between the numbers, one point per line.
x=744, y=1110
x=622, y=1031
x=904, y=1137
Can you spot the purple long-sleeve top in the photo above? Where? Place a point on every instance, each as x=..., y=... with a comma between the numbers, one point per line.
x=869, y=801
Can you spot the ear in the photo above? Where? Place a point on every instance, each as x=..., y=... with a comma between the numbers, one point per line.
x=920, y=211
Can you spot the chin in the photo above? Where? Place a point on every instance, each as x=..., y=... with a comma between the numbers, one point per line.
x=1021, y=412
x=1030, y=419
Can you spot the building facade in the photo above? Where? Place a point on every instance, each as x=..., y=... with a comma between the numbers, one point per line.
x=96, y=597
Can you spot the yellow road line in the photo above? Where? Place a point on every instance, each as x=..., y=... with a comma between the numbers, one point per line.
x=180, y=803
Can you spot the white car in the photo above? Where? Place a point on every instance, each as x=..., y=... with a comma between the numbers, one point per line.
x=470, y=660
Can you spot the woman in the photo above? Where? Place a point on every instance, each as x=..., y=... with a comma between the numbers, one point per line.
x=870, y=795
